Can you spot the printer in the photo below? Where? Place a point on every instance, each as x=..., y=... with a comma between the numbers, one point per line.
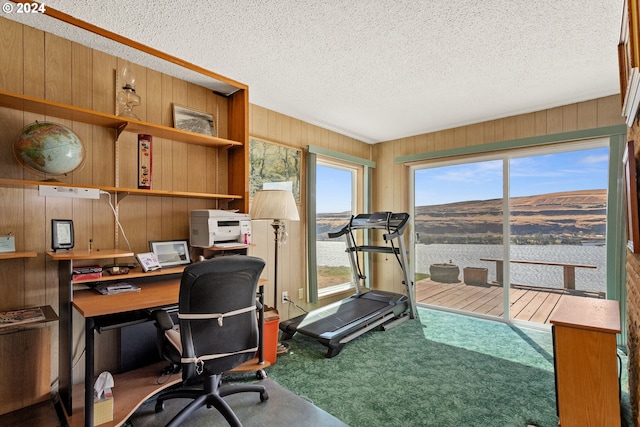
x=210, y=226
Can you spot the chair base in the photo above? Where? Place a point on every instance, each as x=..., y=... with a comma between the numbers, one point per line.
x=211, y=396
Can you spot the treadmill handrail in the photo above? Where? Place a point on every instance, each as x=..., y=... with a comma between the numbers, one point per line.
x=342, y=231
x=394, y=221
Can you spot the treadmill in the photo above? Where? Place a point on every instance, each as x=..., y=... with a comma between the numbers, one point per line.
x=338, y=323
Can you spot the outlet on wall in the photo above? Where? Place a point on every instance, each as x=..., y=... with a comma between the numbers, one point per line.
x=285, y=297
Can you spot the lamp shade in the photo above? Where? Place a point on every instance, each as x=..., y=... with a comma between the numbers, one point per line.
x=274, y=204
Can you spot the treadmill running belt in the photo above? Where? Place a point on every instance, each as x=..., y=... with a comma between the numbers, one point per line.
x=339, y=315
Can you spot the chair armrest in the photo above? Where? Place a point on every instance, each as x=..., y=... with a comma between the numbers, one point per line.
x=162, y=319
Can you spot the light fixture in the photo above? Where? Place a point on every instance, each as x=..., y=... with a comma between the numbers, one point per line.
x=277, y=205
x=127, y=97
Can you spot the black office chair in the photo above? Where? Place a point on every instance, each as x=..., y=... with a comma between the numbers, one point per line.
x=218, y=331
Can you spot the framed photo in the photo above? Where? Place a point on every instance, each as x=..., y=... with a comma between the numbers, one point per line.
x=61, y=234
x=170, y=252
x=274, y=167
x=631, y=198
x=193, y=120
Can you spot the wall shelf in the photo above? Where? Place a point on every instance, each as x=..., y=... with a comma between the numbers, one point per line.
x=15, y=255
x=120, y=190
x=70, y=112
x=49, y=316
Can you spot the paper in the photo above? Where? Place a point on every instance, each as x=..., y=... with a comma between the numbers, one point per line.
x=103, y=386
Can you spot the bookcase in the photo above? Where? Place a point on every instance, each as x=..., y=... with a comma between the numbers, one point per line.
x=51, y=78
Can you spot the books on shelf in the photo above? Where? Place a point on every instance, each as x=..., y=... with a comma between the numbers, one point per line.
x=16, y=317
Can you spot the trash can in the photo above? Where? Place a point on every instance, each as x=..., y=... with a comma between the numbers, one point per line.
x=270, y=335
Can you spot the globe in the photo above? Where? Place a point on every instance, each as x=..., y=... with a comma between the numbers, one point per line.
x=49, y=148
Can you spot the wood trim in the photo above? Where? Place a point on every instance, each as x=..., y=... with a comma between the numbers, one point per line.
x=54, y=13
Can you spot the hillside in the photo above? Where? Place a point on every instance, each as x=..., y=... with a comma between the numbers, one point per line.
x=560, y=217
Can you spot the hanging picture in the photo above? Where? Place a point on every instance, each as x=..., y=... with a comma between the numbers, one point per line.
x=273, y=166
x=630, y=178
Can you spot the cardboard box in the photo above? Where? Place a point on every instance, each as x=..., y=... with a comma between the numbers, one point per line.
x=103, y=410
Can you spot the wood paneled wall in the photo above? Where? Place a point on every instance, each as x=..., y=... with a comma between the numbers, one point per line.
x=292, y=273
x=39, y=64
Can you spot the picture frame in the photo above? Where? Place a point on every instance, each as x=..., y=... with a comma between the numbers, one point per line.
x=62, y=234
x=274, y=166
x=170, y=252
x=192, y=120
x=630, y=182
x=629, y=60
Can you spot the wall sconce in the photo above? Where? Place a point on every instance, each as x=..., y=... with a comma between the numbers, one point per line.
x=127, y=97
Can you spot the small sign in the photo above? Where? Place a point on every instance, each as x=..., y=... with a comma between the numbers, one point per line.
x=7, y=243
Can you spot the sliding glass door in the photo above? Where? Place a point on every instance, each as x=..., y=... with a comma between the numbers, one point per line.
x=509, y=236
x=458, y=221
x=557, y=220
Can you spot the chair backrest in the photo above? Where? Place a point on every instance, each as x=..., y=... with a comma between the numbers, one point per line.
x=224, y=290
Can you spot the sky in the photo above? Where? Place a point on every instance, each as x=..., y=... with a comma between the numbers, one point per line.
x=548, y=173
x=333, y=189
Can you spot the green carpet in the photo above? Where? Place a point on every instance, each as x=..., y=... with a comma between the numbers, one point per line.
x=439, y=370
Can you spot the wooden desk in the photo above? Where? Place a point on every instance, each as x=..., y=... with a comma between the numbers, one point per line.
x=586, y=364
x=157, y=289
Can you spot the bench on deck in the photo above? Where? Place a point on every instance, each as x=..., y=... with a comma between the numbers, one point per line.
x=569, y=269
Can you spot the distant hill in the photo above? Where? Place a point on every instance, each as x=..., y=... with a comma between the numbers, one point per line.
x=564, y=217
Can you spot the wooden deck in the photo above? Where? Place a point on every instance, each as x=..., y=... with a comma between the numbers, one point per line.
x=528, y=303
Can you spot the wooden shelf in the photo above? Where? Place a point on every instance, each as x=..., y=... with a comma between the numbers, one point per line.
x=70, y=112
x=84, y=254
x=14, y=255
x=131, y=390
x=49, y=316
x=228, y=248
x=120, y=190
x=133, y=273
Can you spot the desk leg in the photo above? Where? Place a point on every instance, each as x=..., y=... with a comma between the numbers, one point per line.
x=65, y=346
x=261, y=325
x=89, y=340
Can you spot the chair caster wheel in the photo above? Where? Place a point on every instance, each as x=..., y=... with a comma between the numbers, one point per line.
x=159, y=406
x=261, y=374
x=264, y=396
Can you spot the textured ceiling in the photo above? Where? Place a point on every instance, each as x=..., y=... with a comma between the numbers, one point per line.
x=378, y=70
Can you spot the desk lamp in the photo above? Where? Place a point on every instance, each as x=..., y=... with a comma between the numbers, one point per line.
x=277, y=205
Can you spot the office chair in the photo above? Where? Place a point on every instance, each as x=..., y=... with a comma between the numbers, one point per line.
x=218, y=331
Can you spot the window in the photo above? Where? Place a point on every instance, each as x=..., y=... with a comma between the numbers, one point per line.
x=336, y=196
x=336, y=190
